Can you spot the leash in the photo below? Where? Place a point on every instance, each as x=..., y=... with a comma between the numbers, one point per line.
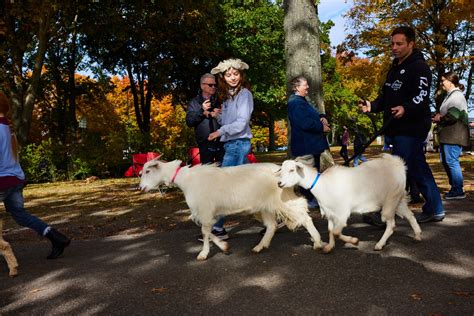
x=364, y=147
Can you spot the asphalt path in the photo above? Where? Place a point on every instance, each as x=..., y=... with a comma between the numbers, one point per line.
x=158, y=274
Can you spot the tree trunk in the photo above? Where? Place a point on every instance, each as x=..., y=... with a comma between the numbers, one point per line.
x=23, y=101
x=302, y=47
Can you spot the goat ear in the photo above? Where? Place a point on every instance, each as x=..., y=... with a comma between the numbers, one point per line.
x=278, y=172
x=306, y=159
x=299, y=168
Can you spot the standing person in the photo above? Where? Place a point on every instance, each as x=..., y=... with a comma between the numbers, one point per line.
x=359, y=142
x=12, y=181
x=199, y=115
x=453, y=129
x=405, y=96
x=234, y=118
x=344, y=143
x=307, y=128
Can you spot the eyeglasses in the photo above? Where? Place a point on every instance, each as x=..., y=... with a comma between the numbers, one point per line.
x=212, y=85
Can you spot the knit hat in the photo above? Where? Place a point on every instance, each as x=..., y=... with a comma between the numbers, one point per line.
x=229, y=63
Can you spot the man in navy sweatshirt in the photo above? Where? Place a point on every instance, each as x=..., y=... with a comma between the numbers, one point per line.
x=405, y=101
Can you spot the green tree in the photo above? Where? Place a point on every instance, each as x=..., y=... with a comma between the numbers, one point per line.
x=161, y=46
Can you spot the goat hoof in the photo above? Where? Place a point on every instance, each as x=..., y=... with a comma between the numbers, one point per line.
x=225, y=248
x=354, y=241
x=327, y=249
x=378, y=247
x=201, y=257
x=417, y=238
x=13, y=273
x=257, y=249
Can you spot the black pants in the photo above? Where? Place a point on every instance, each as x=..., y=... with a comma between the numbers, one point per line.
x=211, y=152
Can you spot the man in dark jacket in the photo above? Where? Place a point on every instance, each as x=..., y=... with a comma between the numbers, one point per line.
x=405, y=98
x=200, y=115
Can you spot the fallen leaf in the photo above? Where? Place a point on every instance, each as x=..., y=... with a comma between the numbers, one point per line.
x=415, y=296
x=159, y=290
x=462, y=293
x=35, y=290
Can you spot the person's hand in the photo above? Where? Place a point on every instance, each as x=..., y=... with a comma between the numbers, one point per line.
x=213, y=135
x=206, y=105
x=364, y=105
x=398, y=111
x=216, y=112
x=436, y=118
x=326, y=126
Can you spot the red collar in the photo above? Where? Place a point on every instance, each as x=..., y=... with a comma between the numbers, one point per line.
x=175, y=174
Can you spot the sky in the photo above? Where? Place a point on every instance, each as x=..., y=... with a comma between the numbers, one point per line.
x=333, y=10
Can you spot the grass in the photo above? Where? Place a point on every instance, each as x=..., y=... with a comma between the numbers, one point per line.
x=100, y=208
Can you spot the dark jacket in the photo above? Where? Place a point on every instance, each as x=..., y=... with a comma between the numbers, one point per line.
x=359, y=142
x=307, y=136
x=408, y=85
x=203, y=126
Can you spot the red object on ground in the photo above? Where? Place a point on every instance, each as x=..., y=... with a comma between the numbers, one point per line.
x=138, y=160
x=195, y=159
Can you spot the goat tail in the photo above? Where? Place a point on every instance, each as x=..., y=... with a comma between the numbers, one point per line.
x=294, y=210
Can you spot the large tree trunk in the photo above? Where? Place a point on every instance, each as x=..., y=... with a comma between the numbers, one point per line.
x=25, y=89
x=302, y=47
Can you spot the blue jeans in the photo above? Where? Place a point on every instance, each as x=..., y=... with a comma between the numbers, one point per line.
x=14, y=204
x=236, y=152
x=357, y=158
x=450, y=160
x=410, y=149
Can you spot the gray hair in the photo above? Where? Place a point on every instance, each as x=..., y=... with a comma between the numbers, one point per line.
x=206, y=75
x=296, y=82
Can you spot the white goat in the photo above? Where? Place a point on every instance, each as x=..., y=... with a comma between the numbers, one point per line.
x=211, y=191
x=8, y=254
x=340, y=191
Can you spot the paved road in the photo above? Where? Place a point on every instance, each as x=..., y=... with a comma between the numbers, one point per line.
x=158, y=274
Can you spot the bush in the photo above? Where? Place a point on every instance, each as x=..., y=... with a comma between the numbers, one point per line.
x=38, y=162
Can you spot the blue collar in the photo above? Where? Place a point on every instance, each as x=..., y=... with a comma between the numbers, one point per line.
x=314, y=182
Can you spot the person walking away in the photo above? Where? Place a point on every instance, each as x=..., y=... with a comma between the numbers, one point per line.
x=199, y=115
x=453, y=128
x=307, y=128
x=234, y=117
x=405, y=96
x=12, y=181
x=359, y=141
x=344, y=144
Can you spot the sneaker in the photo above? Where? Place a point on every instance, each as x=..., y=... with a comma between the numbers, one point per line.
x=454, y=196
x=222, y=234
x=426, y=218
x=374, y=219
x=264, y=230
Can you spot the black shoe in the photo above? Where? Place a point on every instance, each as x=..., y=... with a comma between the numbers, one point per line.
x=416, y=199
x=454, y=196
x=58, y=241
x=374, y=219
x=222, y=235
x=426, y=218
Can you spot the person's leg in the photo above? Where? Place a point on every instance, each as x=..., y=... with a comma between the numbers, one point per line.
x=410, y=149
x=14, y=204
x=205, y=154
x=356, y=160
x=452, y=153
x=443, y=159
x=235, y=154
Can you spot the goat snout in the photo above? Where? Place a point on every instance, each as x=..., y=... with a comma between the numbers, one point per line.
x=280, y=185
